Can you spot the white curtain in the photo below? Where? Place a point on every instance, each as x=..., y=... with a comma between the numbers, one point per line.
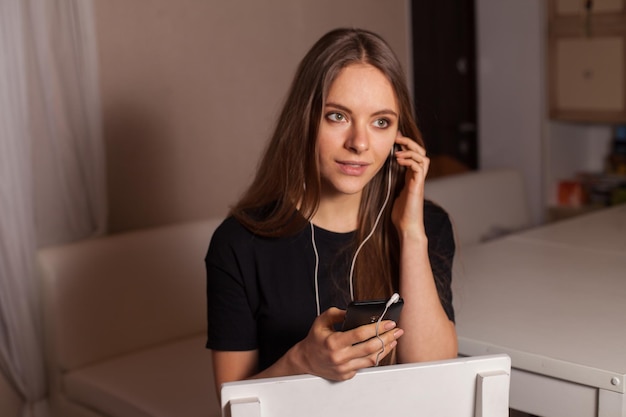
x=52, y=175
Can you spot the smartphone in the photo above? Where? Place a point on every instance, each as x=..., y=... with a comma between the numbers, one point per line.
x=367, y=312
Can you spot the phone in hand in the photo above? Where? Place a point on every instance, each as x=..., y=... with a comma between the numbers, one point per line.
x=367, y=312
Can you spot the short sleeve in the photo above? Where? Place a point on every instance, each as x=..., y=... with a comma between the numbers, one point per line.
x=441, y=249
x=230, y=311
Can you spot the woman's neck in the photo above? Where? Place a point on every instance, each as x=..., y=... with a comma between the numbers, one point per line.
x=339, y=214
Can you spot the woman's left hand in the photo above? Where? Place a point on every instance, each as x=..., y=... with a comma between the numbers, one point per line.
x=430, y=335
x=408, y=209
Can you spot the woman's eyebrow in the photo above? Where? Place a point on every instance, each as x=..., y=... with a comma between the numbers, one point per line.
x=339, y=107
x=385, y=112
x=376, y=113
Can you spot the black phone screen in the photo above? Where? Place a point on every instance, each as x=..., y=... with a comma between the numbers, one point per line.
x=367, y=312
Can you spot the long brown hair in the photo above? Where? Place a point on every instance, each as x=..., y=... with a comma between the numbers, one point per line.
x=288, y=173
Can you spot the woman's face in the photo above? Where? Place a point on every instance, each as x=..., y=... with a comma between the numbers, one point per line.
x=357, y=131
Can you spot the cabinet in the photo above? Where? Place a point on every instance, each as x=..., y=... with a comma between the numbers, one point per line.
x=587, y=60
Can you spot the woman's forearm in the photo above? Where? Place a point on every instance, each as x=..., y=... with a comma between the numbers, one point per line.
x=429, y=334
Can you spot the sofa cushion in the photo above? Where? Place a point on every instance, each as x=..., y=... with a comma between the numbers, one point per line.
x=116, y=294
x=482, y=204
x=170, y=380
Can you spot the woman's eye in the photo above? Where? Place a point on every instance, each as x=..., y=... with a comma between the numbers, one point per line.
x=382, y=123
x=336, y=117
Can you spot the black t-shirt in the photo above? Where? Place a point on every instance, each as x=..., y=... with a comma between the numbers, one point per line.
x=261, y=291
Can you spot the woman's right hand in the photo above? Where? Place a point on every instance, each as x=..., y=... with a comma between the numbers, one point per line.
x=324, y=352
x=339, y=355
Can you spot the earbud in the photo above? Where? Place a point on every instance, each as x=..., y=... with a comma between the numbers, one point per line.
x=393, y=299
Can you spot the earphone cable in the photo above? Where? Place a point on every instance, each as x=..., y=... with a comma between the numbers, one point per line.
x=382, y=343
x=380, y=213
x=356, y=254
x=317, y=264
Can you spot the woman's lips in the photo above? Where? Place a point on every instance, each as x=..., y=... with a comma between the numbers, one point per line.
x=352, y=167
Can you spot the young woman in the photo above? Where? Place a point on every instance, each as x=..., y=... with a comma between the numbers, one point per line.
x=336, y=213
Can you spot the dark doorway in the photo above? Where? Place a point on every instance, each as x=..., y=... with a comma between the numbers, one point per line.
x=444, y=71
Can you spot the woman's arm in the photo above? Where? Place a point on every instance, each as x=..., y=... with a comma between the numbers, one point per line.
x=324, y=352
x=231, y=366
x=429, y=334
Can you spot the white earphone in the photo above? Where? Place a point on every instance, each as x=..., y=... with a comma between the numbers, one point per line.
x=356, y=254
x=392, y=300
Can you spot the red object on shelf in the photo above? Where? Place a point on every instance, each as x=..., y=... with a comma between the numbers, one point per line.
x=571, y=194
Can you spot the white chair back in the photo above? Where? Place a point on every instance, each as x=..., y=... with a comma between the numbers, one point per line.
x=463, y=387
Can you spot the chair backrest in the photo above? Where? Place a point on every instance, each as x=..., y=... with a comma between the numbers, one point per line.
x=463, y=387
x=482, y=204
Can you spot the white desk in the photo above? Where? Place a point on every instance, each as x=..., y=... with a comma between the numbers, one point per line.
x=554, y=300
x=604, y=231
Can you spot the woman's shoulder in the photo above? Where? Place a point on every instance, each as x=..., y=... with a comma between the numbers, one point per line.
x=227, y=239
x=230, y=229
x=434, y=211
x=235, y=226
x=436, y=219
x=234, y=230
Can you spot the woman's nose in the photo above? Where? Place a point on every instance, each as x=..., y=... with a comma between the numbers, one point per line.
x=357, y=140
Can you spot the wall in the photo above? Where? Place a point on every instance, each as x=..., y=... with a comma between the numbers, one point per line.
x=514, y=130
x=190, y=90
x=511, y=91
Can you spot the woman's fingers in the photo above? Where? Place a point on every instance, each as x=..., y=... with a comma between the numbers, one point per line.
x=409, y=144
x=331, y=317
x=374, y=349
x=412, y=155
x=339, y=355
x=367, y=331
x=365, y=340
x=407, y=213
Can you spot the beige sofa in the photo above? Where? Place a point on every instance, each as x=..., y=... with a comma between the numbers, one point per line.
x=482, y=205
x=125, y=322
x=125, y=314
